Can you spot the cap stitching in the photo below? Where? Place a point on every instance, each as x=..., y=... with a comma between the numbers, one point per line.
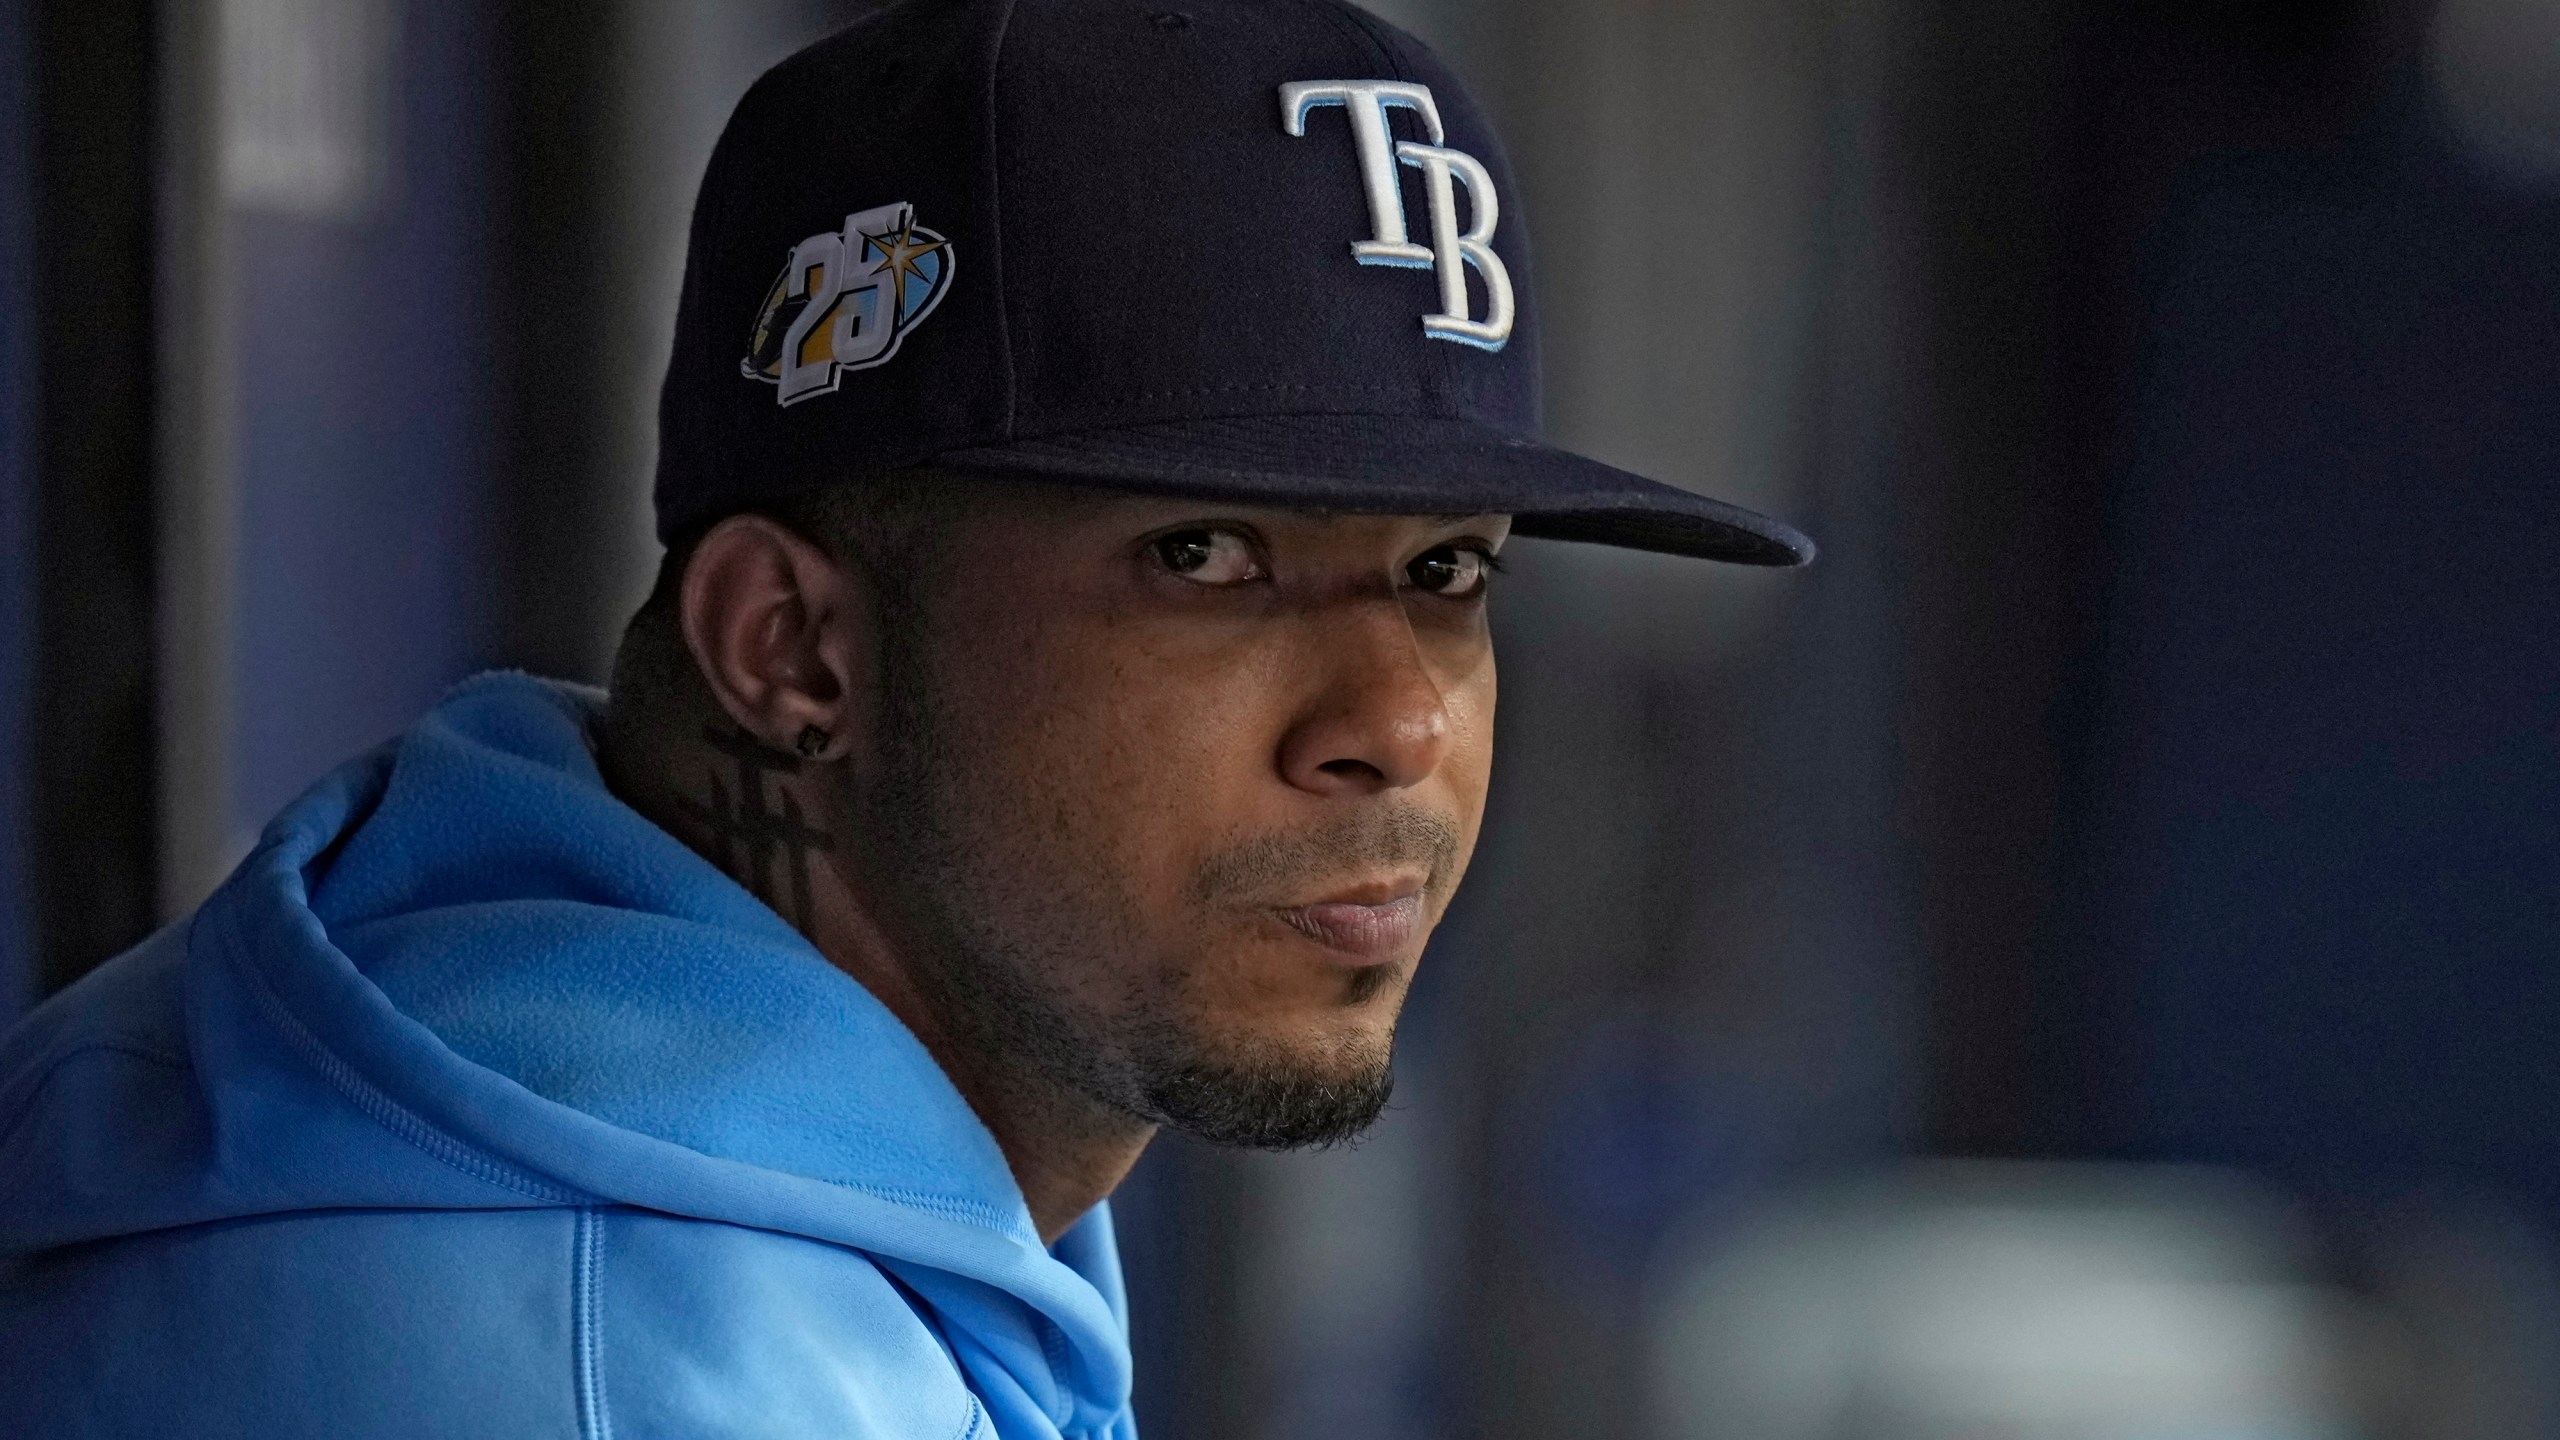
x=1223, y=389
x=1230, y=390
x=1351, y=31
x=995, y=219
x=1359, y=23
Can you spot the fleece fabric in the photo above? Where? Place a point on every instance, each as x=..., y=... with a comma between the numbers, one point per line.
x=475, y=1104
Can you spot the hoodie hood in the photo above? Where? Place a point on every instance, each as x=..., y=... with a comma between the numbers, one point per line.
x=458, y=974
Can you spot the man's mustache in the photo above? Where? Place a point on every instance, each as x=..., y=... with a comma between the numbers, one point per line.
x=1384, y=837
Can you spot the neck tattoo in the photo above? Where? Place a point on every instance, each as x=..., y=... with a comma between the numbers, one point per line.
x=748, y=834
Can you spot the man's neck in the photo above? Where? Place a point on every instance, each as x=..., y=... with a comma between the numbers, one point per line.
x=1066, y=1152
x=761, y=817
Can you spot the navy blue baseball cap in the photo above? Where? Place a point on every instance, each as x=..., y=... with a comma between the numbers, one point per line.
x=1265, y=251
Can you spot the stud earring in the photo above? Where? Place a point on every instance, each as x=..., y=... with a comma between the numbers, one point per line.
x=811, y=741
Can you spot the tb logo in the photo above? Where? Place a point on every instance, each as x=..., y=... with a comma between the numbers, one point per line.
x=1451, y=251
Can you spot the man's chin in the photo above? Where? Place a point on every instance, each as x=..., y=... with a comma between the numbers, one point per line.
x=1272, y=1106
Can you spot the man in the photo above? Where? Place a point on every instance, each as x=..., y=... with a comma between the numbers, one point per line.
x=1065, y=711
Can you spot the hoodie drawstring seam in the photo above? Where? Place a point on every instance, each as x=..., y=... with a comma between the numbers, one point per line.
x=587, y=1259
x=986, y=1215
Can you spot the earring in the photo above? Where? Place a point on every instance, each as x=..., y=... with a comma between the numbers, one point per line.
x=811, y=741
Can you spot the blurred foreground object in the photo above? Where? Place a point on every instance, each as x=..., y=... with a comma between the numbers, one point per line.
x=2046, y=1301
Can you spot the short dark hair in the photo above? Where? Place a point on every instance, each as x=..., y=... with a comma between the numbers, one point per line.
x=889, y=524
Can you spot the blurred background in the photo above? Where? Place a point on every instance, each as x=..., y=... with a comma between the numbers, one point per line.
x=2081, y=961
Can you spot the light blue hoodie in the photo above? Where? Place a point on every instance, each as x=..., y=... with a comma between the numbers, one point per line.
x=474, y=1104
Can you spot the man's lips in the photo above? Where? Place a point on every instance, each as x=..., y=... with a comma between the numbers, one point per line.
x=1367, y=932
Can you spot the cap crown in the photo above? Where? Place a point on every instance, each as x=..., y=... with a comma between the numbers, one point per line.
x=1018, y=218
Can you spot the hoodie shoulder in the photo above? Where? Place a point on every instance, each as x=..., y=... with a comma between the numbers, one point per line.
x=356, y=1323
x=97, y=1091
x=561, y=1322
x=132, y=1004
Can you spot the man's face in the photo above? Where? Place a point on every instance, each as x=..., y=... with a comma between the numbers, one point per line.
x=1173, y=793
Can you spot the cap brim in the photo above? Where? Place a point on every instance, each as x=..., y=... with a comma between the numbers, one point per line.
x=1384, y=464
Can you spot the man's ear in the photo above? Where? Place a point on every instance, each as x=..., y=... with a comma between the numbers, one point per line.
x=781, y=633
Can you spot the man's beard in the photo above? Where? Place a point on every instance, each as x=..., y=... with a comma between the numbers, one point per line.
x=999, y=939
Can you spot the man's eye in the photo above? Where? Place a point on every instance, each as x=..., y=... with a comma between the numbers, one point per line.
x=1208, y=557
x=1449, y=571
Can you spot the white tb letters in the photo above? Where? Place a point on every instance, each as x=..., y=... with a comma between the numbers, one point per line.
x=1368, y=102
x=1451, y=251
x=1438, y=167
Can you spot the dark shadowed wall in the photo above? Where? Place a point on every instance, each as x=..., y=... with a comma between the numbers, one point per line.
x=17, y=510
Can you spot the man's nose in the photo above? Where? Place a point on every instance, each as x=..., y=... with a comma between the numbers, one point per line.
x=1381, y=720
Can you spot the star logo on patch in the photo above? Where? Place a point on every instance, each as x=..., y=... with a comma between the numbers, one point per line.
x=844, y=301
